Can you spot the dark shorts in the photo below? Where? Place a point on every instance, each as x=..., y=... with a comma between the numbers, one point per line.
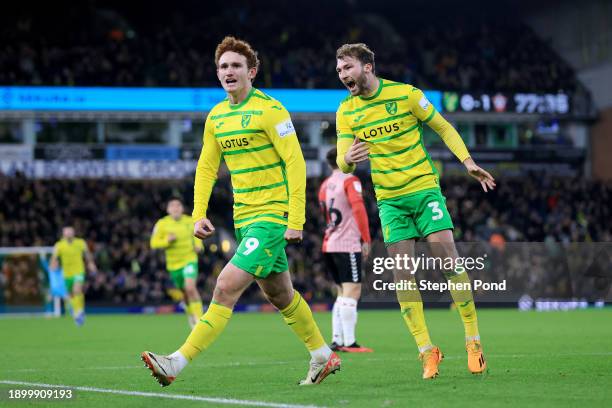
x=344, y=267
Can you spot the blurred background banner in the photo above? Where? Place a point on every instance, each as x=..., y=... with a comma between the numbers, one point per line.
x=295, y=100
x=164, y=99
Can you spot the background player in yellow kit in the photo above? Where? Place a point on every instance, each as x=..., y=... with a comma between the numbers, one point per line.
x=382, y=121
x=69, y=252
x=174, y=234
x=254, y=134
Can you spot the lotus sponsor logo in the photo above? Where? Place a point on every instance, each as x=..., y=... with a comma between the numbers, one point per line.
x=237, y=142
x=380, y=130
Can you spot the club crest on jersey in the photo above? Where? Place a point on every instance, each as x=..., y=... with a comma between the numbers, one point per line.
x=391, y=107
x=246, y=119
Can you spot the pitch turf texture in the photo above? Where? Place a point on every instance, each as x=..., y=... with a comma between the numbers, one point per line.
x=535, y=359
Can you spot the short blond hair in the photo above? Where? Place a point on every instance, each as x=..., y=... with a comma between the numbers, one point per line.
x=241, y=47
x=359, y=51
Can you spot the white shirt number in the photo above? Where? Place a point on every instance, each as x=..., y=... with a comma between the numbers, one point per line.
x=251, y=244
x=435, y=209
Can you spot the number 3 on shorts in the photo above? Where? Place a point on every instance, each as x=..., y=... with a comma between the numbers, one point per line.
x=251, y=244
x=435, y=209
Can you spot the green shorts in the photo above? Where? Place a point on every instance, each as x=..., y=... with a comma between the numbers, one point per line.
x=189, y=271
x=414, y=215
x=71, y=280
x=261, y=249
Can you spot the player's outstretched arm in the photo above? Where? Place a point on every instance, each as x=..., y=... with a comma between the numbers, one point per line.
x=426, y=112
x=486, y=180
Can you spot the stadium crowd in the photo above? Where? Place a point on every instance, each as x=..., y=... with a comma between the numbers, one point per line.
x=116, y=218
x=122, y=46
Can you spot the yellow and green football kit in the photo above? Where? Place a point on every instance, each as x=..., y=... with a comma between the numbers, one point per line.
x=181, y=256
x=258, y=142
x=405, y=180
x=70, y=254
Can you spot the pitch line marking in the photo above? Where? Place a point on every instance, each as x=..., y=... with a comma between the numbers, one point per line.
x=229, y=401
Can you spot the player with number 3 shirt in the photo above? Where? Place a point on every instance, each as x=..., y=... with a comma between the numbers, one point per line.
x=382, y=121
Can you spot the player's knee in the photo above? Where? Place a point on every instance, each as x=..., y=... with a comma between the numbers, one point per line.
x=280, y=299
x=224, y=292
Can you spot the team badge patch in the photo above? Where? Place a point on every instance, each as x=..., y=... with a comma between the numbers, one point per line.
x=391, y=107
x=246, y=119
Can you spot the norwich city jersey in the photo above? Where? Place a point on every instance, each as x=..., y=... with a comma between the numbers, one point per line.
x=181, y=251
x=70, y=254
x=257, y=140
x=391, y=123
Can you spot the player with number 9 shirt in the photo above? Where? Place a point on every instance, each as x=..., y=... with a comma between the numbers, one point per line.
x=254, y=134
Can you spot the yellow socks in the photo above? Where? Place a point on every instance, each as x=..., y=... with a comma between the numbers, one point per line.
x=78, y=304
x=210, y=326
x=195, y=309
x=298, y=316
x=413, y=315
x=464, y=300
x=411, y=306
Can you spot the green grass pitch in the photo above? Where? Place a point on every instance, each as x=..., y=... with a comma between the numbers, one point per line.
x=555, y=359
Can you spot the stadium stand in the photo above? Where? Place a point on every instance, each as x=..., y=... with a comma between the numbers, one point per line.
x=116, y=218
x=121, y=46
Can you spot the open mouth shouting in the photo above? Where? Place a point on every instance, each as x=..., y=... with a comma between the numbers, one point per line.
x=351, y=85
